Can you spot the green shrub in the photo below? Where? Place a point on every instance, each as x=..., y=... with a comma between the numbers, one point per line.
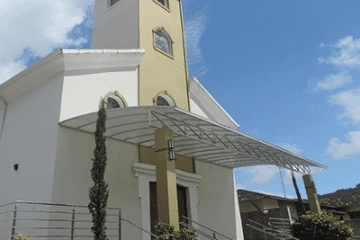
x=187, y=234
x=166, y=232
x=322, y=226
x=20, y=236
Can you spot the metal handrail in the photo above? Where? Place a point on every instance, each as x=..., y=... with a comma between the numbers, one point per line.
x=123, y=219
x=56, y=204
x=60, y=215
x=214, y=232
x=66, y=236
x=280, y=219
x=198, y=231
x=263, y=226
x=265, y=230
x=271, y=234
x=262, y=230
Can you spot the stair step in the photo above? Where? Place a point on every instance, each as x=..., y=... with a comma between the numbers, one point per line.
x=277, y=231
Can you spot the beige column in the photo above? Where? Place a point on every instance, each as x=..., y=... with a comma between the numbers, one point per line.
x=311, y=193
x=166, y=180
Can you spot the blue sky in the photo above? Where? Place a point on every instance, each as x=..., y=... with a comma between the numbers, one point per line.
x=286, y=71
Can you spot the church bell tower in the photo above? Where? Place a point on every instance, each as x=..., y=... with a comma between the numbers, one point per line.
x=156, y=26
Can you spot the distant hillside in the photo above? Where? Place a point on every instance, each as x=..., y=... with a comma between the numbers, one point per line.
x=342, y=197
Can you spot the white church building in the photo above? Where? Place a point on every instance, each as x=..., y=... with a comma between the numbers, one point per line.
x=137, y=64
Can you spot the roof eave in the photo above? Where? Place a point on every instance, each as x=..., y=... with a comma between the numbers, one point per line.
x=235, y=125
x=70, y=61
x=101, y=59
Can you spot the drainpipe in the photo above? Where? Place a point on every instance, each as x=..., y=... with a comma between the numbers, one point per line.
x=4, y=116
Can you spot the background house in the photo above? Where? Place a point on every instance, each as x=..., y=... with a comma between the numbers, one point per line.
x=263, y=208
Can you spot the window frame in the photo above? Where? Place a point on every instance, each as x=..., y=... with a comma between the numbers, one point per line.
x=117, y=97
x=167, y=8
x=166, y=97
x=109, y=6
x=167, y=36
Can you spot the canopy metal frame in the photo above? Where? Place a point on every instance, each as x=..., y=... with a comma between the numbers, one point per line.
x=194, y=136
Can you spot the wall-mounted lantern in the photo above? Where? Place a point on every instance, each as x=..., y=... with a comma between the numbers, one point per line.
x=171, y=150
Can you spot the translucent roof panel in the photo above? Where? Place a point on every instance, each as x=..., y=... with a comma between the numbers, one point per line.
x=194, y=136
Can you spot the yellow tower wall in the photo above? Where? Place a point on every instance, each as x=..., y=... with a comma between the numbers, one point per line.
x=159, y=72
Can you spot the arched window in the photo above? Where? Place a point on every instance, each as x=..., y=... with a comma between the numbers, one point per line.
x=163, y=42
x=160, y=101
x=164, y=100
x=114, y=100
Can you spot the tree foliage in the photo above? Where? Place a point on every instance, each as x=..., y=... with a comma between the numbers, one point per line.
x=99, y=192
x=324, y=226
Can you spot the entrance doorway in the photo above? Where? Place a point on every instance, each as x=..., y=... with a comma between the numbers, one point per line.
x=182, y=195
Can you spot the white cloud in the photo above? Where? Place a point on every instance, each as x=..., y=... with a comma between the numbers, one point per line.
x=339, y=149
x=346, y=53
x=254, y=132
x=195, y=27
x=349, y=101
x=288, y=178
x=346, y=57
x=240, y=186
x=291, y=148
x=262, y=175
x=38, y=25
x=333, y=81
x=8, y=69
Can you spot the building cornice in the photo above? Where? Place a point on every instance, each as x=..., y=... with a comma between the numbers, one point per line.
x=69, y=62
x=150, y=170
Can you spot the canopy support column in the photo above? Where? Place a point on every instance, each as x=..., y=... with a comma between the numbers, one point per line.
x=311, y=193
x=166, y=179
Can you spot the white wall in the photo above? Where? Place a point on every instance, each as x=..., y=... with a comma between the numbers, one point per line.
x=195, y=108
x=210, y=111
x=116, y=27
x=72, y=178
x=82, y=93
x=202, y=103
x=29, y=139
x=218, y=206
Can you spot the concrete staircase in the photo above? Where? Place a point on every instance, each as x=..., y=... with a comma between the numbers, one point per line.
x=277, y=228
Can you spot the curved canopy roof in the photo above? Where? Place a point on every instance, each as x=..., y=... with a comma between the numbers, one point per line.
x=194, y=136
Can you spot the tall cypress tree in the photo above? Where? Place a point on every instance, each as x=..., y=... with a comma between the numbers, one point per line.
x=99, y=192
x=302, y=208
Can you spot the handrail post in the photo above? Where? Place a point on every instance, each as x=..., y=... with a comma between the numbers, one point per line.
x=72, y=223
x=251, y=232
x=14, y=221
x=120, y=224
x=214, y=235
x=264, y=232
